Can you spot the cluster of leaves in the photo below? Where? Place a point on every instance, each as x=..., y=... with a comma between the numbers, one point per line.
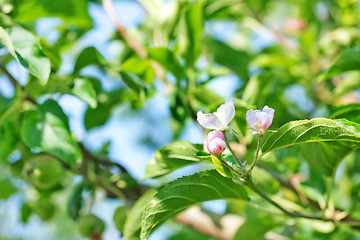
x=309, y=68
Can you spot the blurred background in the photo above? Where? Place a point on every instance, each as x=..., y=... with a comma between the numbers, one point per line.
x=263, y=52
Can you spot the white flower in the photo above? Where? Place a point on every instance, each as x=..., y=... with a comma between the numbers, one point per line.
x=260, y=120
x=220, y=119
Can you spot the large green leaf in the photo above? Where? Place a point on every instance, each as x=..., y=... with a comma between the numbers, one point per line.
x=132, y=227
x=348, y=60
x=70, y=12
x=174, y=156
x=168, y=60
x=182, y=193
x=314, y=130
x=26, y=48
x=46, y=129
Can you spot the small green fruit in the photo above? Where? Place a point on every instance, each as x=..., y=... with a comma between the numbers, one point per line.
x=89, y=225
x=45, y=172
x=44, y=208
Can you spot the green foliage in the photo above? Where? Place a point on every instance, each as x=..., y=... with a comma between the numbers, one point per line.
x=26, y=48
x=347, y=61
x=185, y=192
x=46, y=129
x=173, y=156
x=7, y=188
x=314, y=130
x=183, y=54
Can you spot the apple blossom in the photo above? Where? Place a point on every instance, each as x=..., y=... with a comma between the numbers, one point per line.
x=215, y=142
x=220, y=119
x=259, y=121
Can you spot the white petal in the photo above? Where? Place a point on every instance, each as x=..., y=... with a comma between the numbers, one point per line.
x=229, y=110
x=208, y=121
x=251, y=118
x=270, y=113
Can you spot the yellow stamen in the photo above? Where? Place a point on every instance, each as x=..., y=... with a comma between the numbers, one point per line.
x=258, y=125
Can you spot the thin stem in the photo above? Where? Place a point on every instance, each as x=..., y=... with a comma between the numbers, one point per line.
x=248, y=172
x=8, y=74
x=242, y=166
x=257, y=190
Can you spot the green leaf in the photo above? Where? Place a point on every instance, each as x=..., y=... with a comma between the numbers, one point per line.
x=349, y=60
x=194, y=28
x=76, y=202
x=135, y=84
x=84, y=90
x=254, y=228
x=25, y=47
x=221, y=167
x=132, y=227
x=324, y=157
x=71, y=12
x=225, y=55
x=7, y=188
x=314, y=130
x=174, y=156
x=89, y=56
x=141, y=68
x=46, y=129
x=182, y=193
x=168, y=60
x=350, y=112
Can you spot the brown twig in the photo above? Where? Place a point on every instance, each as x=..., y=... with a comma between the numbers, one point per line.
x=132, y=42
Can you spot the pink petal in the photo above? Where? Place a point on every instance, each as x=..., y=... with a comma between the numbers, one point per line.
x=216, y=146
x=251, y=118
x=208, y=121
x=270, y=113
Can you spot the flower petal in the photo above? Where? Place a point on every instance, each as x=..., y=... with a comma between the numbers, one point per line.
x=270, y=113
x=229, y=110
x=208, y=121
x=251, y=118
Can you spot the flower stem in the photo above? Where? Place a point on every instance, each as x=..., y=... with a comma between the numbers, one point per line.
x=242, y=166
x=248, y=172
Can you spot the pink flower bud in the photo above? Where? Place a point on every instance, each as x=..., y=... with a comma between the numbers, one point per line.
x=215, y=142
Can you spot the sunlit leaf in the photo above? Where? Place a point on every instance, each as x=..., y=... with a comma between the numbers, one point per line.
x=182, y=193
x=46, y=129
x=174, y=156
x=71, y=12
x=25, y=47
x=314, y=130
x=84, y=89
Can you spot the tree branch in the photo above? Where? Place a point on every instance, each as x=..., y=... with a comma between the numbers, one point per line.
x=132, y=42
